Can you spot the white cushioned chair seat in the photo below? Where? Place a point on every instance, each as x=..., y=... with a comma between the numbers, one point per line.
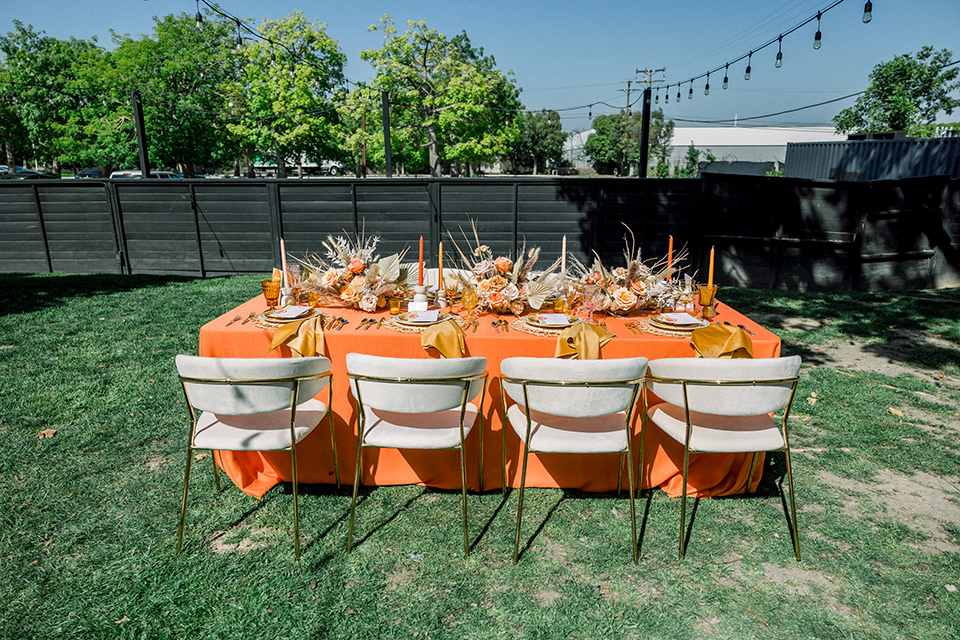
x=715, y=433
x=257, y=432
x=563, y=434
x=439, y=430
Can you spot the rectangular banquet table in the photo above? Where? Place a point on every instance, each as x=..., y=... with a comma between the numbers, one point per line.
x=257, y=472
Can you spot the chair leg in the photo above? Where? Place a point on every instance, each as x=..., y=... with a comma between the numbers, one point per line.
x=620, y=475
x=463, y=505
x=503, y=456
x=753, y=466
x=296, y=510
x=683, y=502
x=353, y=503
x=183, y=502
x=523, y=483
x=480, y=418
x=333, y=444
x=633, y=505
x=216, y=471
x=794, y=529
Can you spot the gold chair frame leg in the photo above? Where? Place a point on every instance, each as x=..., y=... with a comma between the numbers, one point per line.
x=794, y=531
x=523, y=484
x=186, y=486
x=296, y=510
x=463, y=505
x=356, y=485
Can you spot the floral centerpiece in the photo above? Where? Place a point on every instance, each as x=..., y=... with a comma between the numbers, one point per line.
x=636, y=285
x=502, y=285
x=351, y=272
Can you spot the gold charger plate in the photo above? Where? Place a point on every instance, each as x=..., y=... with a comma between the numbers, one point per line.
x=270, y=316
x=539, y=321
x=410, y=319
x=678, y=327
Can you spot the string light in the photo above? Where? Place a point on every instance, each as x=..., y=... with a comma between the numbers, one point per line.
x=666, y=97
x=816, y=38
x=239, y=37
x=746, y=75
x=779, y=62
x=726, y=79
x=656, y=97
x=706, y=87
x=678, y=92
x=199, y=17
x=867, y=12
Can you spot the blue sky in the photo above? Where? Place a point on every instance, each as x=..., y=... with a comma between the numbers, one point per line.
x=568, y=55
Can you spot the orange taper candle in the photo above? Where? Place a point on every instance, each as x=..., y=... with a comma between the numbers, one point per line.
x=440, y=286
x=710, y=272
x=669, y=256
x=420, y=272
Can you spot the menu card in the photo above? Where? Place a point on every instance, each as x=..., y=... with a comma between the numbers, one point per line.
x=291, y=312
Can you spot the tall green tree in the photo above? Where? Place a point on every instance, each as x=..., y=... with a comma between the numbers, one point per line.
x=284, y=97
x=541, y=141
x=616, y=140
x=904, y=94
x=52, y=89
x=448, y=91
x=180, y=73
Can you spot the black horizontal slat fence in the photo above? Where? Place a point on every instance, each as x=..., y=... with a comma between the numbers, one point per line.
x=767, y=232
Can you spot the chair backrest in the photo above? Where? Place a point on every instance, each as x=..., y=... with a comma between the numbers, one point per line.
x=726, y=399
x=249, y=390
x=440, y=386
x=584, y=395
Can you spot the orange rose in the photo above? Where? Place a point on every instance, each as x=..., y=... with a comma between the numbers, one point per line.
x=624, y=299
x=497, y=300
x=346, y=275
x=357, y=265
x=330, y=278
x=503, y=264
x=484, y=288
x=498, y=283
x=638, y=288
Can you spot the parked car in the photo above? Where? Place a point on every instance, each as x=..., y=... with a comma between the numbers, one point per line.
x=331, y=167
x=138, y=175
x=22, y=173
x=91, y=173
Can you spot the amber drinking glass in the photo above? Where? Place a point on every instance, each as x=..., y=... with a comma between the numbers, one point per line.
x=271, y=292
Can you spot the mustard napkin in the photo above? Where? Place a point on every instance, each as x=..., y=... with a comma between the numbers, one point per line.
x=721, y=341
x=305, y=338
x=446, y=337
x=582, y=341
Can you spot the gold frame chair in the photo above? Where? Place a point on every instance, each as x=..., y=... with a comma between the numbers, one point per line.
x=294, y=382
x=526, y=383
x=466, y=381
x=685, y=384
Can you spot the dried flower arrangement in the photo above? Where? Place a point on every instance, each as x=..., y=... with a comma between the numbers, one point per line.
x=502, y=285
x=635, y=285
x=351, y=272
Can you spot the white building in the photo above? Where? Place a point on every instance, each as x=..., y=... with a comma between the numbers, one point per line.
x=744, y=144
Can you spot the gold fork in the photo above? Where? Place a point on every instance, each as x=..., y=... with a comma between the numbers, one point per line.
x=235, y=318
x=249, y=318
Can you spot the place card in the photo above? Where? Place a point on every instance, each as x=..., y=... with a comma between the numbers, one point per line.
x=291, y=312
x=431, y=315
x=560, y=319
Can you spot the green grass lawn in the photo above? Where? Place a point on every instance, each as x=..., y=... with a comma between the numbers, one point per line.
x=88, y=517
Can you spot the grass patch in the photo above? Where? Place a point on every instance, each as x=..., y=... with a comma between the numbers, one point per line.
x=88, y=517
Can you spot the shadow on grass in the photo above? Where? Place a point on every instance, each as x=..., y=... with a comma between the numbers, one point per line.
x=29, y=292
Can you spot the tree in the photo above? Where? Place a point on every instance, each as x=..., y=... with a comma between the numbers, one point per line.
x=616, y=139
x=447, y=92
x=51, y=89
x=904, y=94
x=284, y=95
x=541, y=141
x=180, y=73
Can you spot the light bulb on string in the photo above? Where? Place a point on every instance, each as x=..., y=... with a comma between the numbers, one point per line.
x=239, y=37
x=867, y=12
x=746, y=75
x=779, y=62
x=817, y=37
x=706, y=87
x=678, y=93
x=666, y=95
x=656, y=97
x=690, y=93
x=199, y=17
x=726, y=80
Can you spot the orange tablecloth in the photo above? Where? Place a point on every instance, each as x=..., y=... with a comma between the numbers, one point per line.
x=256, y=472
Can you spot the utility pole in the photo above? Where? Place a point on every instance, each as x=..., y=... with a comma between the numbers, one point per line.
x=629, y=82
x=645, y=120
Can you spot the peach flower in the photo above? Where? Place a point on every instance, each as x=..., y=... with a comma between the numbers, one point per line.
x=624, y=299
x=497, y=300
x=638, y=288
x=368, y=303
x=483, y=288
x=330, y=278
x=357, y=265
x=503, y=264
x=483, y=268
x=593, y=278
x=498, y=283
